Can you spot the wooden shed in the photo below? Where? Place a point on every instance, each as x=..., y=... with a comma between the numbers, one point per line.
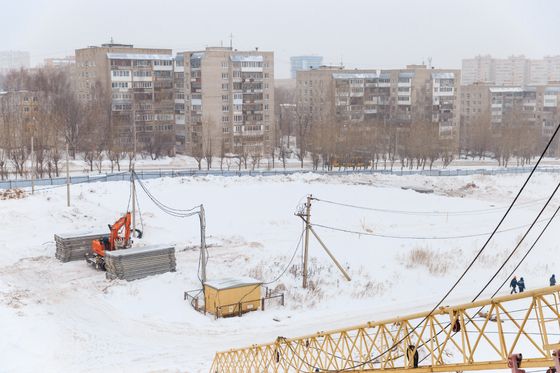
x=232, y=296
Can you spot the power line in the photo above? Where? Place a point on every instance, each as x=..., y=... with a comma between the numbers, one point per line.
x=362, y=233
x=424, y=213
x=289, y=263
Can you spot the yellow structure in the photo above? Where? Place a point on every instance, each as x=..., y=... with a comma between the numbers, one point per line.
x=232, y=296
x=481, y=335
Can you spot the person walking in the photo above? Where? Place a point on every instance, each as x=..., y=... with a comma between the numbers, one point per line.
x=552, y=280
x=521, y=285
x=513, y=285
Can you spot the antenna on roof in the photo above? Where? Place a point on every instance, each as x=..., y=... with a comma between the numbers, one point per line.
x=230, y=41
x=429, y=62
x=111, y=40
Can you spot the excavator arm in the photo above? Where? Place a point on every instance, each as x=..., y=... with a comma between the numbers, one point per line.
x=119, y=238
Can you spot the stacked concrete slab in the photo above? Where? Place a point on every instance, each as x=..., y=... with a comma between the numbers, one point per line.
x=73, y=246
x=135, y=263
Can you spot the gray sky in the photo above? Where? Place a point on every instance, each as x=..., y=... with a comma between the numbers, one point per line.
x=373, y=34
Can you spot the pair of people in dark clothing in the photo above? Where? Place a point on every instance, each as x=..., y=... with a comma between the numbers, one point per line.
x=552, y=280
x=517, y=284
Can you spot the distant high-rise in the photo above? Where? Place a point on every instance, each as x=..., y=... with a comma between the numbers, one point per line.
x=511, y=71
x=302, y=63
x=10, y=60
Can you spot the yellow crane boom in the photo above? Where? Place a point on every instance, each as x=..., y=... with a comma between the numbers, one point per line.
x=482, y=335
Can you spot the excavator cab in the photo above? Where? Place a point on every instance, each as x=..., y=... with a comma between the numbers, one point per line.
x=119, y=238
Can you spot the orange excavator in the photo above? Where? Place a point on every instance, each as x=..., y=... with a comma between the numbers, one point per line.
x=118, y=239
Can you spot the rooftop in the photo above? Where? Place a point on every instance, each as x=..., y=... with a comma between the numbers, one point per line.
x=232, y=282
x=138, y=56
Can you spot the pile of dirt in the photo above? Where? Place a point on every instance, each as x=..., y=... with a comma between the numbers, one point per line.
x=12, y=194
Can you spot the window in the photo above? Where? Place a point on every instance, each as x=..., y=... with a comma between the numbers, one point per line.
x=225, y=97
x=225, y=119
x=119, y=84
x=143, y=73
x=225, y=86
x=119, y=73
x=225, y=76
x=225, y=107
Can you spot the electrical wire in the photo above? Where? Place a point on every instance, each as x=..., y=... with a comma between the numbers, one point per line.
x=289, y=263
x=180, y=213
x=467, y=269
x=362, y=233
x=424, y=213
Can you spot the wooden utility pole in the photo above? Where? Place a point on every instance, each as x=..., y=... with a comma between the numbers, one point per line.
x=67, y=179
x=306, y=217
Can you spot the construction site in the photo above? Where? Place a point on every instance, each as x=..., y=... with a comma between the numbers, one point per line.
x=297, y=273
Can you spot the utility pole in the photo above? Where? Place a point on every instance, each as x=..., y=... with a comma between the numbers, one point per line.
x=306, y=244
x=32, y=168
x=203, y=259
x=306, y=217
x=67, y=179
x=133, y=186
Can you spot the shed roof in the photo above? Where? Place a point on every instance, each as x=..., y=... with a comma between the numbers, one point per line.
x=232, y=282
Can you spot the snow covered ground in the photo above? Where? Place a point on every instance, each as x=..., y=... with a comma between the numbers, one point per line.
x=67, y=317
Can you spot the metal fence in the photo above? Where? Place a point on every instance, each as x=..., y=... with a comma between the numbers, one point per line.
x=154, y=174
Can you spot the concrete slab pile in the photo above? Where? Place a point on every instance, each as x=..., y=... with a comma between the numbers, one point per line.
x=136, y=263
x=73, y=246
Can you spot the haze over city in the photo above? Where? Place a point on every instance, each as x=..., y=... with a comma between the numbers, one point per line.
x=361, y=34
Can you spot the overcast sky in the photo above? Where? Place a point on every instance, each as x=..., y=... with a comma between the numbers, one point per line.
x=362, y=34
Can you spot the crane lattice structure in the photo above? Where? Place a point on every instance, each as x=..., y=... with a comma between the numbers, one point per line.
x=506, y=332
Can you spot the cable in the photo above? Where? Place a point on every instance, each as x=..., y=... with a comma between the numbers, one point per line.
x=424, y=213
x=527, y=253
x=180, y=213
x=289, y=263
x=520, y=241
x=361, y=233
x=462, y=275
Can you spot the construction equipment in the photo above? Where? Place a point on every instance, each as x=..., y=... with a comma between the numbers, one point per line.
x=482, y=335
x=119, y=238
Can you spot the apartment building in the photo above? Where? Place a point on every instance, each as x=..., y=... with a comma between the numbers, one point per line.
x=536, y=106
x=227, y=99
x=302, y=63
x=60, y=61
x=10, y=60
x=19, y=115
x=397, y=97
x=141, y=84
x=512, y=71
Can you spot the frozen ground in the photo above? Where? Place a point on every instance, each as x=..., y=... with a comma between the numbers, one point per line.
x=67, y=317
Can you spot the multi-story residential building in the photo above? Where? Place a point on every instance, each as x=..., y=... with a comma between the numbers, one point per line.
x=10, y=60
x=502, y=106
x=302, y=63
x=19, y=116
x=477, y=69
x=59, y=61
x=228, y=101
x=141, y=84
x=514, y=70
x=399, y=97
